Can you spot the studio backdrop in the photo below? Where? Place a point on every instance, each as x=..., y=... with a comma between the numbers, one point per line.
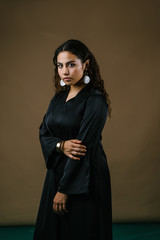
x=124, y=37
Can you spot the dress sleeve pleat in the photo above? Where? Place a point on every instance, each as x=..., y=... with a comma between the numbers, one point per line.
x=48, y=141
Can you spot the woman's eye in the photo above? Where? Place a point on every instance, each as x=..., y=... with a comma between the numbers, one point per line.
x=71, y=64
x=59, y=66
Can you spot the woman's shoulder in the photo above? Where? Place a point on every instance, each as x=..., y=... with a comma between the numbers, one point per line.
x=95, y=93
x=96, y=98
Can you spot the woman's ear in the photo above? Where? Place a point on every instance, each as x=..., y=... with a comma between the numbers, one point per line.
x=86, y=64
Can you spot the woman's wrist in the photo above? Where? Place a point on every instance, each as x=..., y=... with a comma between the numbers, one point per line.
x=59, y=146
x=62, y=145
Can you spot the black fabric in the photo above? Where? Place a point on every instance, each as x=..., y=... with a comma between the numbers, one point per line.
x=86, y=181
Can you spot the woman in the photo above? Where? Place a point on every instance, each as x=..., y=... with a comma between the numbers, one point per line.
x=76, y=197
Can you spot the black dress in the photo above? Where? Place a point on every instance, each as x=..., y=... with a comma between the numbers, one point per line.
x=86, y=181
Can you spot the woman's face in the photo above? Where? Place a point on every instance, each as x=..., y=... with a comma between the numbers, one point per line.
x=70, y=67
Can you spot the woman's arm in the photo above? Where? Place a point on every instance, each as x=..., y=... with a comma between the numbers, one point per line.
x=76, y=173
x=48, y=142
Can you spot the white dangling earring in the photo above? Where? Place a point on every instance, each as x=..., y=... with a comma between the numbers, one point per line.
x=62, y=83
x=86, y=79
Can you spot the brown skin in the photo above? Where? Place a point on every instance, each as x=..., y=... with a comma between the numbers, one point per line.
x=75, y=147
x=59, y=203
x=69, y=66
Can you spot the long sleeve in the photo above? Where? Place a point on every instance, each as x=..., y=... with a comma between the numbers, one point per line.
x=48, y=141
x=75, y=179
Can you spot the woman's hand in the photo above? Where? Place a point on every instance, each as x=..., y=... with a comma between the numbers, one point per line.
x=74, y=147
x=59, y=203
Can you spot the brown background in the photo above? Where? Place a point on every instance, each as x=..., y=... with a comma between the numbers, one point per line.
x=124, y=37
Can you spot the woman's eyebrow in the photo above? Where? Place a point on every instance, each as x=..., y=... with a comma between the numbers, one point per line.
x=67, y=62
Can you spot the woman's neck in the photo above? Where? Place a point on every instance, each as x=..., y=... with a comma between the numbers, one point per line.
x=75, y=89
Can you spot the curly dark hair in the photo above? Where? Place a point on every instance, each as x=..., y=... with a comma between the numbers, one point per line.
x=79, y=49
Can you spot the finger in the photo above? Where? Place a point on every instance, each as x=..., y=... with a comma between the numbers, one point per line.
x=60, y=207
x=57, y=211
x=79, y=149
x=54, y=210
x=78, y=146
x=56, y=207
x=77, y=153
x=61, y=210
x=73, y=157
x=64, y=208
x=53, y=206
x=75, y=141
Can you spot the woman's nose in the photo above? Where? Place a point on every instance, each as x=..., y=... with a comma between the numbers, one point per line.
x=65, y=70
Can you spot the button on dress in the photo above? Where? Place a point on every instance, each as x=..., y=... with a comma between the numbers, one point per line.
x=86, y=181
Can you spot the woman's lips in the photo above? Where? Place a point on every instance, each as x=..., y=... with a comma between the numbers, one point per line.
x=67, y=79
